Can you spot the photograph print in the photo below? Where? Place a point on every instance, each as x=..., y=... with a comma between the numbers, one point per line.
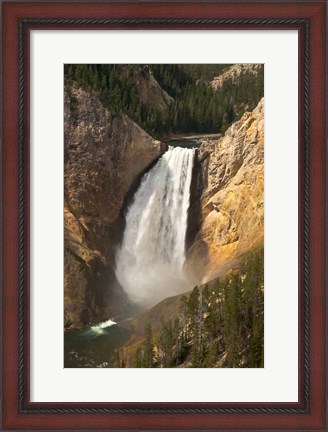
x=163, y=215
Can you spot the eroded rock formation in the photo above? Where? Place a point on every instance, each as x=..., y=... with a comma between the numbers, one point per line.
x=104, y=156
x=234, y=73
x=233, y=199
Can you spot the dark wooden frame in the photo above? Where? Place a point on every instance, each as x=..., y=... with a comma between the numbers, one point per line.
x=309, y=413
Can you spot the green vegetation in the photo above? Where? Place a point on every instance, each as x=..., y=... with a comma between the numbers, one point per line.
x=196, y=106
x=217, y=326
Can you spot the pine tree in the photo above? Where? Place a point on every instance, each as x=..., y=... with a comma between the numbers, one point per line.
x=148, y=358
x=138, y=358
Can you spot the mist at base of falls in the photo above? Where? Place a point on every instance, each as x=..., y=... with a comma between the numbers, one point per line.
x=150, y=261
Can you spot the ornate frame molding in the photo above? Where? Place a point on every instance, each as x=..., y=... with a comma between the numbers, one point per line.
x=24, y=25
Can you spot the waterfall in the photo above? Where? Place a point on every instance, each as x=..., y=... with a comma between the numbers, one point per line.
x=150, y=261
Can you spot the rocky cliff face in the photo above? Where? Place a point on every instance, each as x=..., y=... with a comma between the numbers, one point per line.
x=104, y=157
x=234, y=74
x=233, y=198
x=149, y=91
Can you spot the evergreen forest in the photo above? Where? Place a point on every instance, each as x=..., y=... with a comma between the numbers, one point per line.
x=221, y=325
x=196, y=107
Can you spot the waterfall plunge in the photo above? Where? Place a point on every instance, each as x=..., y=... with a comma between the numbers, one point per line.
x=150, y=261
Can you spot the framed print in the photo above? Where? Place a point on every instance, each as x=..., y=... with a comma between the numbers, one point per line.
x=164, y=215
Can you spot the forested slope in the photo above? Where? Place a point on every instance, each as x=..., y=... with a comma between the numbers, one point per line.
x=220, y=324
x=169, y=98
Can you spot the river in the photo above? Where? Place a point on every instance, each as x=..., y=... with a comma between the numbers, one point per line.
x=190, y=141
x=93, y=346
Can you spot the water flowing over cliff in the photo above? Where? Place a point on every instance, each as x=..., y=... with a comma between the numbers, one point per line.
x=150, y=261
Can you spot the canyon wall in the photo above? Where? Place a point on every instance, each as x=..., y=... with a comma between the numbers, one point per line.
x=105, y=156
x=232, y=209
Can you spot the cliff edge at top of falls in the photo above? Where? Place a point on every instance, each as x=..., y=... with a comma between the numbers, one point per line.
x=104, y=156
x=232, y=210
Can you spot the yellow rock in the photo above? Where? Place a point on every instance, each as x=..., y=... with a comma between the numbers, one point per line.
x=233, y=203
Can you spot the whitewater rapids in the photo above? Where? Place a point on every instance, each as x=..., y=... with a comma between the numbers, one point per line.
x=150, y=261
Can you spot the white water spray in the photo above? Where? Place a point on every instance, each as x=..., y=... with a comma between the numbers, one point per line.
x=150, y=262
x=100, y=328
